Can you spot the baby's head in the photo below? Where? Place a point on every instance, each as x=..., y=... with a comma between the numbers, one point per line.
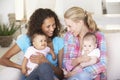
x=39, y=41
x=89, y=42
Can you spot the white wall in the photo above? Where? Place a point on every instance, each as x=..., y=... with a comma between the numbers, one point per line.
x=32, y=5
x=113, y=7
x=8, y=6
x=92, y=6
x=113, y=50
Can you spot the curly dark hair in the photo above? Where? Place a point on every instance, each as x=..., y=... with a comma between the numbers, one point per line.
x=37, y=19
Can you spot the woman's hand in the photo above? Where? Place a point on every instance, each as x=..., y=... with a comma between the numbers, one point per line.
x=24, y=71
x=70, y=74
x=85, y=58
x=80, y=59
x=38, y=58
x=75, y=62
x=58, y=72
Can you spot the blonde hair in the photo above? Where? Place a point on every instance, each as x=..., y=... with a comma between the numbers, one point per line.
x=77, y=13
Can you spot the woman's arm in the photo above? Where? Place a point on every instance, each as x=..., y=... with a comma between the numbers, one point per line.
x=60, y=58
x=5, y=59
x=92, y=61
x=80, y=59
x=38, y=59
x=53, y=54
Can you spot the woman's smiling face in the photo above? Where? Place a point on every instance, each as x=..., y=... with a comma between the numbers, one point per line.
x=73, y=27
x=49, y=26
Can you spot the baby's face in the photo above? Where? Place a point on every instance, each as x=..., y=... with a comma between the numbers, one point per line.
x=40, y=42
x=88, y=45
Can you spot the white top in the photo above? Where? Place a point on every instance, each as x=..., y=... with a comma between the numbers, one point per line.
x=95, y=52
x=32, y=51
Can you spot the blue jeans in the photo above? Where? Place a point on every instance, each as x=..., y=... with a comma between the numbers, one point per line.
x=42, y=72
x=81, y=76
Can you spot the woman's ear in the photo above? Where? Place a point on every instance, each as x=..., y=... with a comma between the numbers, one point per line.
x=81, y=22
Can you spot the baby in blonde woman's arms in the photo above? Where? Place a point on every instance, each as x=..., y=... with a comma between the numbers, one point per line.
x=89, y=48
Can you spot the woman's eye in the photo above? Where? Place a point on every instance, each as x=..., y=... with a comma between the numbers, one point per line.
x=40, y=40
x=89, y=45
x=48, y=26
x=69, y=26
x=45, y=40
x=54, y=26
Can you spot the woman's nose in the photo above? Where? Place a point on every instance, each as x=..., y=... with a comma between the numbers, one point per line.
x=51, y=29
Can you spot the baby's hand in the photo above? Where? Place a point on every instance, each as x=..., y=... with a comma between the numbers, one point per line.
x=26, y=74
x=24, y=71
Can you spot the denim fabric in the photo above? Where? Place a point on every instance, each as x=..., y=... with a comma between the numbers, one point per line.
x=81, y=76
x=42, y=72
x=22, y=77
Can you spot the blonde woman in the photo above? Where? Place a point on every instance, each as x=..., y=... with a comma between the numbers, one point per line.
x=79, y=22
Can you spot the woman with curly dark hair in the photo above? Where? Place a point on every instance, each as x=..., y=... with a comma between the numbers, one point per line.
x=45, y=21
